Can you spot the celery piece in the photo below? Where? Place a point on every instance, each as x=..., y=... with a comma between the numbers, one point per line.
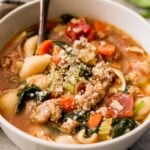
x=68, y=87
x=138, y=107
x=105, y=127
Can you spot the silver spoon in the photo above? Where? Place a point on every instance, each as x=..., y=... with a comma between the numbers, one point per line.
x=44, y=4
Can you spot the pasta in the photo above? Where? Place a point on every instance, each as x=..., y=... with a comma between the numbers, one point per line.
x=9, y=101
x=82, y=139
x=34, y=65
x=30, y=46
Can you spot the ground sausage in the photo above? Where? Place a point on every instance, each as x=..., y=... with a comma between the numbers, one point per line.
x=48, y=110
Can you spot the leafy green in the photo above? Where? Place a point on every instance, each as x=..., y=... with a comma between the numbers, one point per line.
x=27, y=92
x=141, y=3
x=64, y=46
x=66, y=18
x=60, y=44
x=143, y=7
x=80, y=115
x=92, y=131
x=85, y=72
x=145, y=13
x=120, y=126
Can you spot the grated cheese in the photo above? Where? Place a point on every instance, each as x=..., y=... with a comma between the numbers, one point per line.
x=116, y=105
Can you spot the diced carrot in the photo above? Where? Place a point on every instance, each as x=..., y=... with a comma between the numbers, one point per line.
x=55, y=55
x=45, y=47
x=94, y=120
x=99, y=26
x=67, y=104
x=106, y=49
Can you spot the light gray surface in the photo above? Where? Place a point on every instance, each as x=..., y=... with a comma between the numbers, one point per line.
x=142, y=144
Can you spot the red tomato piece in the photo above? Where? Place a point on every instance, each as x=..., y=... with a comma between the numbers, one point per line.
x=80, y=28
x=67, y=104
x=120, y=105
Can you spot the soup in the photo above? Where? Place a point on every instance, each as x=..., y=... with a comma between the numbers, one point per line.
x=86, y=82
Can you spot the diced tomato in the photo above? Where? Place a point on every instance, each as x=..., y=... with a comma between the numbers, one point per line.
x=106, y=49
x=80, y=28
x=67, y=104
x=55, y=55
x=91, y=36
x=94, y=120
x=125, y=101
x=45, y=47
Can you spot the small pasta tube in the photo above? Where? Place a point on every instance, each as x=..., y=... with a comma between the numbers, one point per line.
x=82, y=139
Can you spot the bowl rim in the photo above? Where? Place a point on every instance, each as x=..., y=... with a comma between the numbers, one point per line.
x=27, y=136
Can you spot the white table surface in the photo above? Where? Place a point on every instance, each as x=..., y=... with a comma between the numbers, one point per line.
x=142, y=144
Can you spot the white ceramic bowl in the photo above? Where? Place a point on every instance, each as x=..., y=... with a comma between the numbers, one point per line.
x=105, y=10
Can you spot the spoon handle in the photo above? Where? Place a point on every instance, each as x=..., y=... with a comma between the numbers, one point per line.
x=43, y=19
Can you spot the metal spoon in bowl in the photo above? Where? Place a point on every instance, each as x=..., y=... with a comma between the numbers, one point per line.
x=44, y=5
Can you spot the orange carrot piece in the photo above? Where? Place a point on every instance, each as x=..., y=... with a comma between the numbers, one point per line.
x=106, y=49
x=67, y=104
x=94, y=120
x=45, y=47
x=99, y=26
